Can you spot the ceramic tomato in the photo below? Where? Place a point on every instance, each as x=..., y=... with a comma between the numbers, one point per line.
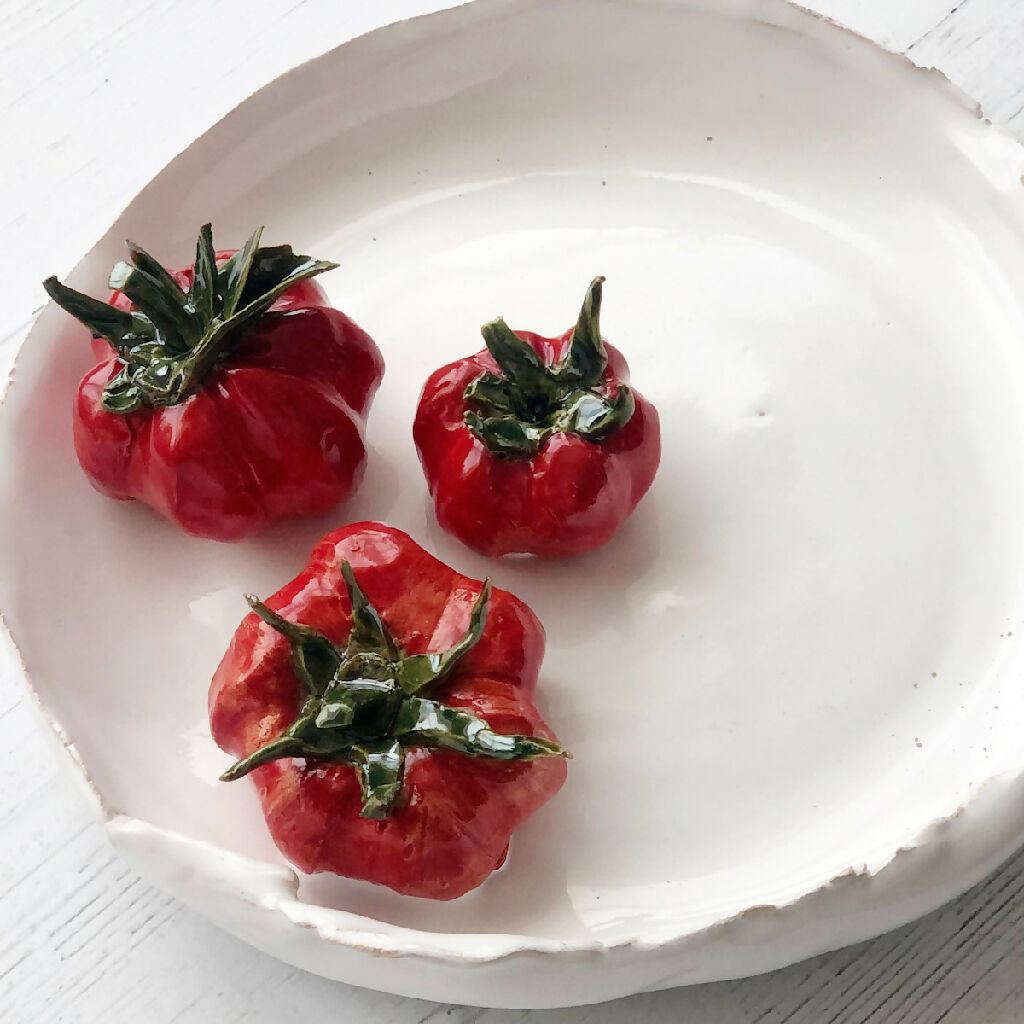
x=537, y=445
x=383, y=705
x=226, y=395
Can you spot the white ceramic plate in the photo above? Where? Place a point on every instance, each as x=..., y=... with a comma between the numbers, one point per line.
x=792, y=684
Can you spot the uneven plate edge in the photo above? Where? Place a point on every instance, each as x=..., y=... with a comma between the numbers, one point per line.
x=342, y=928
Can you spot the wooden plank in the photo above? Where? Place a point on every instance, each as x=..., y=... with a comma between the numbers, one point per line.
x=979, y=45
x=896, y=26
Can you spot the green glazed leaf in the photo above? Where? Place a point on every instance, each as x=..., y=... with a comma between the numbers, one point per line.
x=166, y=308
x=368, y=630
x=586, y=359
x=233, y=275
x=283, y=746
x=508, y=435
x=120, y=328
x=595, y=420
x=494, y=393
x=379, y=770
x=427, y=723
x=422, y=670
x=149, y=265
x=122, y=395
x=204, y=278
x=518, y=361
x=315, y=659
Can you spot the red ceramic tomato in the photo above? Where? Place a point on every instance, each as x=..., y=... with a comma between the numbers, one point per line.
x=537, y=445
x=383, y=704
x=225, y=395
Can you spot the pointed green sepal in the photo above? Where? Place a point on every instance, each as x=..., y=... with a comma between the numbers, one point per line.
x=315, y=659
x=428, y=723
x=517, y=360
x=283, y=746
x=203, y=292
x=369, y=634
x=122, y=329
x=233, y=275
x=508, y=436
x=586, y=359
x=379, y=771
x=422, y=670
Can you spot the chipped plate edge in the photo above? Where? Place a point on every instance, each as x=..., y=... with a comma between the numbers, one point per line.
x=857, y=903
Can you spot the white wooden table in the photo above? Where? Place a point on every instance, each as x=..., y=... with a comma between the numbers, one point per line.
x=95, y=97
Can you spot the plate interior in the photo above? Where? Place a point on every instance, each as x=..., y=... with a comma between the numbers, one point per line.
x=804, y=647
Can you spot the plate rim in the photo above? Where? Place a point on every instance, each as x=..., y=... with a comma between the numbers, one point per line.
x=335, y=927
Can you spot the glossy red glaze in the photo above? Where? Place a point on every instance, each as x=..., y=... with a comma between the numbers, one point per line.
x=569, y=498
x=276, y=431
x=451, y=825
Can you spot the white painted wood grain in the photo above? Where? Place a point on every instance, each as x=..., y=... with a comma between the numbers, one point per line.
x=94, y=99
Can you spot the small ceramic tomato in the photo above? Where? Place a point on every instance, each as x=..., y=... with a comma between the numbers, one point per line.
x=383, y=704
x=537, y=445
x=226, y=395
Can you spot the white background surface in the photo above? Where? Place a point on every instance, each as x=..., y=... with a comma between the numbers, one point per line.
x=95, y=99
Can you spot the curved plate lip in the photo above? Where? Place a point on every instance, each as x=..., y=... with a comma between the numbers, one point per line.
x=342, y=928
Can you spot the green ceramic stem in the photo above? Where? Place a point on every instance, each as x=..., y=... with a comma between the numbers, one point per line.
x=514, y=413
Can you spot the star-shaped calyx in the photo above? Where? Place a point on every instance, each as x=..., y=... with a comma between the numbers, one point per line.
x=513, y=413
x=366, y=703
x=175, y=337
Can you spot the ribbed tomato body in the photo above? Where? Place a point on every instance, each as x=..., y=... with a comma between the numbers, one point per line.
x=276, y=430
x=451, y=825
